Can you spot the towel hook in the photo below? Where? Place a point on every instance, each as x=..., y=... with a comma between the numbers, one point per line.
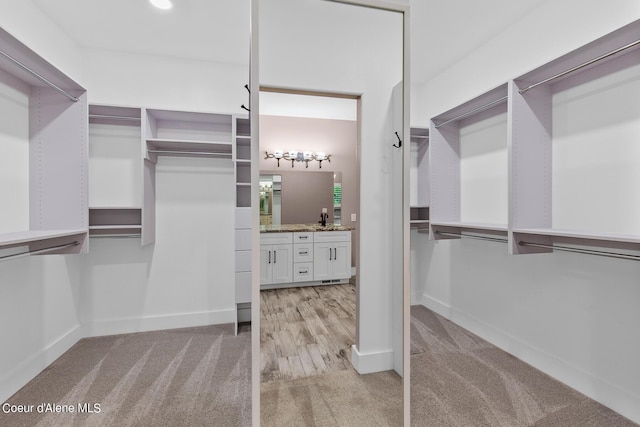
x=399, y=141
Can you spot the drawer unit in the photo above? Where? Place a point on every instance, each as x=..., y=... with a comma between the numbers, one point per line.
x=332, y=236
x=303, y=252
x=303, y=271
x=303, y=237
x=275, y=238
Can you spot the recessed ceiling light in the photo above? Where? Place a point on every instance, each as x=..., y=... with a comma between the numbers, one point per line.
x=162, y=4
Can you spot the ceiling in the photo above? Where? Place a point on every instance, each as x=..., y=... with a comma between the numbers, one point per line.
x=442, y=31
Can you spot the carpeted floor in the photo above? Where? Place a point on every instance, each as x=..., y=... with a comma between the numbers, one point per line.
x=182, y=377
x=458, y=379
x=341, y=398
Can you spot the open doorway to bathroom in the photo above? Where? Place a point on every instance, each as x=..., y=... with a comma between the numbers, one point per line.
x=309, y=205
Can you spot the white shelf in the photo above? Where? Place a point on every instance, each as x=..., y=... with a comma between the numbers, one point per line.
x=115, y=227
x=582, y=235
x=562, y=175
x=471, y=226
x=214, y=147
x=26, y=237
x=58, y=149
x=469, y=165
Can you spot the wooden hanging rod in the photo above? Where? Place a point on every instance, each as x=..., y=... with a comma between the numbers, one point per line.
x=39, y=77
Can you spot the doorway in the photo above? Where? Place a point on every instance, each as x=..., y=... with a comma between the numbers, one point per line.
x=307, y=327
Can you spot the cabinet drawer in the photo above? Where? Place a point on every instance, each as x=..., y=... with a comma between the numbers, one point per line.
x=243, y=261
x=243, y=218
x=332, y=236
x=303, y=237
x=303, y=252
x=243, y=287
x=243, y=240
x=303, y=272
x=275, y=238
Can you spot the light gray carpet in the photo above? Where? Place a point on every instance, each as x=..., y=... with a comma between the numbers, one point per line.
x=458, y=379
x=181, y=377
x=341, y=398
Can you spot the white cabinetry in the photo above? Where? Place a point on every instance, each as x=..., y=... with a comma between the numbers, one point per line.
x=276, y=258
x=303, y=257
x=332, y=255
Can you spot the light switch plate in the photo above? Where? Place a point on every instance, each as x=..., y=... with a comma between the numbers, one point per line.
x=353, y=217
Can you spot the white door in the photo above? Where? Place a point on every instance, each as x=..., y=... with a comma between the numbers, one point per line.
x=265, y=265
x=341, y=264
x=282, y=263
x=322, y=260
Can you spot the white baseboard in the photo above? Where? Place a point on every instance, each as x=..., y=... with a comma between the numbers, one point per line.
x=153, y=323
x=367, y=363
x=27, y=370
x=619, y=400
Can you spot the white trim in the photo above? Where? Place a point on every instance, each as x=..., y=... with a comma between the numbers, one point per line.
x=619, y=400
x=367, y=363
x=129, y=325
x=32, y=366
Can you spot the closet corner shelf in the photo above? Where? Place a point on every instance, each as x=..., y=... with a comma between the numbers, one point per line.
x=244, y=137
x=25, y=237
x=243, y=184
x=243, y=161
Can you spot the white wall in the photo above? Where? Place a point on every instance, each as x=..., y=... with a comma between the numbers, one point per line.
x=119, y=78
x=572, y=316
x=325, y=46
x=186, y=278
x=26, y=22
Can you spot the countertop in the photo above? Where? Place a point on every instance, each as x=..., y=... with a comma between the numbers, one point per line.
x=293, y=228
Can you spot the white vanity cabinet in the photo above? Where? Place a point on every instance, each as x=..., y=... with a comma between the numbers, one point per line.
x=332, y=255
x=303, y=256
x=276, y=258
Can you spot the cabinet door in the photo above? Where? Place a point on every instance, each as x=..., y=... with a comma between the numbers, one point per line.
x=282, y=263
x=341, y=264
x=265, y=264
x=322, y=252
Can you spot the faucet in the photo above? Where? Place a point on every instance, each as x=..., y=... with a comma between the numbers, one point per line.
x=323, y=219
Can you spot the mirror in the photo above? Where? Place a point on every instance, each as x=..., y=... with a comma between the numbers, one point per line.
x=331, y=49
x=299, y=197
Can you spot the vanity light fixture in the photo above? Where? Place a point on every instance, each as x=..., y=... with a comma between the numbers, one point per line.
x=162, y=4
x=298, y=156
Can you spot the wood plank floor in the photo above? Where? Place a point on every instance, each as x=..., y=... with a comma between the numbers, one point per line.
x=306, y=331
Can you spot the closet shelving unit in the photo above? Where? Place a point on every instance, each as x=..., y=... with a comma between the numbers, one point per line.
x=181, y=133
x=58, y=160
x=243, y=229
x=587, y=95
x=114, y=163
x=468, y=133
x=419, y=199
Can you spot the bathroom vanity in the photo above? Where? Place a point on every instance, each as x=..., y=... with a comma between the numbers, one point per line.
x=294, y=255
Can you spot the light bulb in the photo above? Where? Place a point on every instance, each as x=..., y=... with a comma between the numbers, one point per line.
x=162, y=4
